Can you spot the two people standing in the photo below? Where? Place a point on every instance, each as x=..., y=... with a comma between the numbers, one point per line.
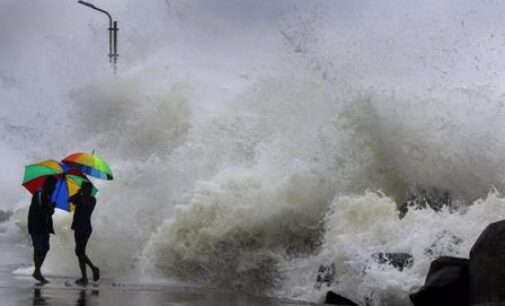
x=40, y=226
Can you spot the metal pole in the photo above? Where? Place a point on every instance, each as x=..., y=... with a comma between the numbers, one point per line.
x=116, y=55
x=111, y=48
x=113, y=29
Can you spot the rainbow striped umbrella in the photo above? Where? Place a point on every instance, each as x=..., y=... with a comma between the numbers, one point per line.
x=68, y=182
x=89, y=164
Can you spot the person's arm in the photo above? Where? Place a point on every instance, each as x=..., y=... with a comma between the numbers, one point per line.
x=52, y=206
x=47, y=204
x=75, y=199
x=93, y=204
x=31, y=214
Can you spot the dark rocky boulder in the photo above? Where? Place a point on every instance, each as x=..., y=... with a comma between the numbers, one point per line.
x=325, y=275
x=445, y=285
x=335, y=299
x=487, y=266
x=399, y=261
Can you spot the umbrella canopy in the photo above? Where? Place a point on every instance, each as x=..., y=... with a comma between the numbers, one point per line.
x=36, y=174
x=89, y=164
x=68, y=182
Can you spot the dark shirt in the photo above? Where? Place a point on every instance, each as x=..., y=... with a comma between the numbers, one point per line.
x=84, y=206
x=40, y=214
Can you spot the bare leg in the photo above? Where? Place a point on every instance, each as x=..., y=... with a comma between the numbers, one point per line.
x=94, y=269
x=81, y=240
x=82, y=265
x=38, y=260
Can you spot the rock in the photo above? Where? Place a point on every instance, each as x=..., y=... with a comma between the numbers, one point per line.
x=487, y=266
x=399, y=261
x=445, y=285
x=325, y=275
x=335, y=299
x=433, y=198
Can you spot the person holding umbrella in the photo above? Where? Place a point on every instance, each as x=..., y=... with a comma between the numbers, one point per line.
x=84, y=203
x=59, y=185
x=51, y=183
x=40, y=224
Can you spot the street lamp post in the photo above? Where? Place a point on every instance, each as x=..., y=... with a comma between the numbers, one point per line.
x=113, y=29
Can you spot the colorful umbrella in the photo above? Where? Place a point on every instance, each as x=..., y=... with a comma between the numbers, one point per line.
x=89, y=164
x=68, y=182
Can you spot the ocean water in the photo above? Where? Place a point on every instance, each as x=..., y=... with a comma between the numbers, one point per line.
x=253, y=141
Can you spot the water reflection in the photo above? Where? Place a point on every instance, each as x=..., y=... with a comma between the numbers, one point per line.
x=87, y=299
x=84, y=298
x=38, y=299
x=90, y=296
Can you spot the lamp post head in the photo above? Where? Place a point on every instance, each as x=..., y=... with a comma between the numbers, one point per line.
x=87, y=4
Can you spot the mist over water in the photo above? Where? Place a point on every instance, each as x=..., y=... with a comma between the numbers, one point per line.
x=253, y=141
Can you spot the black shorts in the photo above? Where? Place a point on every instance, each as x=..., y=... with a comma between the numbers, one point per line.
x=81, y=240
x=40, y=241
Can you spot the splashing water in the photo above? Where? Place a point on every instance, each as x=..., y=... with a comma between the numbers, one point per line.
x=253, y=142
